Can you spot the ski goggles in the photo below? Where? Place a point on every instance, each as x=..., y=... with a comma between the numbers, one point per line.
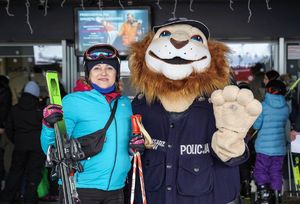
x=98, y=52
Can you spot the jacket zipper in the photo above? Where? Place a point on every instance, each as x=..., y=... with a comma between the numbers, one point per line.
x=116, y=150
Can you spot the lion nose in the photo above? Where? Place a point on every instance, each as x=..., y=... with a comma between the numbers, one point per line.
x=178, y=44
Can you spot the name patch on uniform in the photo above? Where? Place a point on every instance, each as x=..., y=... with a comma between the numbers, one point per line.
x=158, y=143
x=194, y=149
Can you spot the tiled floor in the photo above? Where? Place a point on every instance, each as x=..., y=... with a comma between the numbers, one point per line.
x=286, y=200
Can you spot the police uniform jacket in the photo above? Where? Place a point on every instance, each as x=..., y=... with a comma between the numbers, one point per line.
x=182, y=168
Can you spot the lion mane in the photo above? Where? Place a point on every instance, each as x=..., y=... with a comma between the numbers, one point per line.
x=155, y=85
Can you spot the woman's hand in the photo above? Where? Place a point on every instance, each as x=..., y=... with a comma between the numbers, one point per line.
x=52, y=114
x=137, y=144
x=293, y=135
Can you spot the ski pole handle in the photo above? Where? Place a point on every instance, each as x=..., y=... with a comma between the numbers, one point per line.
x=138, y=127
x=134, y=123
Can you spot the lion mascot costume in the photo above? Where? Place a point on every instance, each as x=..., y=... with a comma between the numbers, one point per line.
x=196, y=119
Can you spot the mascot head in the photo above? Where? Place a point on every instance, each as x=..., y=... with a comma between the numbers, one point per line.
x=178, y=49
x=177, y=60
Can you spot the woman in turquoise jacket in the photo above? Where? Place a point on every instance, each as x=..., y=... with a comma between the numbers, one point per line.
x=270, y=145
x=86, y=112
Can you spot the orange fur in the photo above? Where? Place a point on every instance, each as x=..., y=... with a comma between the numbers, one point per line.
x=155, y=85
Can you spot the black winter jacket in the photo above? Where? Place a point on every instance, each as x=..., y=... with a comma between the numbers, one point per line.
x=5, y=102
x=24, y=123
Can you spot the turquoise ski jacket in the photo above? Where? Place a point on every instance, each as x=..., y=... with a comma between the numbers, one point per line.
x=84, y=113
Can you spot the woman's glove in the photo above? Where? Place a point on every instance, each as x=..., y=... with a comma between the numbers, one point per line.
x=52, y=114
x=137, y=144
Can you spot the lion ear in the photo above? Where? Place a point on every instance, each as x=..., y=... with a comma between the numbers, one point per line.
x=218, y=49
x=139, y=48
x=219, y=52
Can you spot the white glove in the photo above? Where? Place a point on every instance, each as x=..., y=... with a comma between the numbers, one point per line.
x=235, y=111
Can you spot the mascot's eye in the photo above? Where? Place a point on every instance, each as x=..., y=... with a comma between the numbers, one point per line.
x=165, y=33
x=197, y=38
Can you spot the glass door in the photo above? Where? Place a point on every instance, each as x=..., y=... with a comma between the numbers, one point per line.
x=22, y=63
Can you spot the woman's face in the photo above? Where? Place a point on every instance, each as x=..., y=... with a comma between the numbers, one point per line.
x=103, y=75
x=266, y=80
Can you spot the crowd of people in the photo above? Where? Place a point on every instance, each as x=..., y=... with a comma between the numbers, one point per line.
x=29, y=126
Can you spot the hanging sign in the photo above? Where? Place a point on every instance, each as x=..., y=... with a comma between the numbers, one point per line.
x=293, y=52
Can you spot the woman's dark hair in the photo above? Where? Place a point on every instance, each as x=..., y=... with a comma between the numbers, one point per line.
x=258, y=68
x=272, y=75
x=276, y=87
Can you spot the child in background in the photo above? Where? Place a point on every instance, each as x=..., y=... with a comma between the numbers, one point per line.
x=270, y=144
x=270, y=75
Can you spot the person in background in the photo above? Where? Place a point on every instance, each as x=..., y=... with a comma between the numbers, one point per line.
x=270, y=75
x=293, y=99
x=270, y=144
x=129, y=30
x=296, y=128
x=23, y=128
x=256, y=85
x=5, y=106
x=104, y=174
x=5, y=100
x=247, y=167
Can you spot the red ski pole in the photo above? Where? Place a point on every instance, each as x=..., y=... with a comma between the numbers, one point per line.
x=135, y=120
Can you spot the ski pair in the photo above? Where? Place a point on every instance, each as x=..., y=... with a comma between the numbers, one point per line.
x=59, y=157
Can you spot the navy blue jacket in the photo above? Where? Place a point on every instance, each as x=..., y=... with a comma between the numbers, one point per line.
x=182, y=168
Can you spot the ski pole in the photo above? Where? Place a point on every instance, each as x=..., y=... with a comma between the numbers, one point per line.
x=137, y=159
x=292, y=87
x=138, y=155
x=254, y=133
x=136, y=130
x=133, y=180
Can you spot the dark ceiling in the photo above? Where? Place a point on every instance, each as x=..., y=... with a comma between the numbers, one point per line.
x=125, y=2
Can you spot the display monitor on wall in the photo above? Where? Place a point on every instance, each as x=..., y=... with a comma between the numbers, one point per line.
x=116, y=26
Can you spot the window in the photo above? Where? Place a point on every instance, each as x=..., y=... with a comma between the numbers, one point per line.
x=245, y=55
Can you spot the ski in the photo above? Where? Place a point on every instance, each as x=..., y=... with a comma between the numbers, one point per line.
x=296, y=171
x=60, y=156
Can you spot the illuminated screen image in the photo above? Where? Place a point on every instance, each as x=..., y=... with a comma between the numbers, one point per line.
x=118, y=27
x=47, y=54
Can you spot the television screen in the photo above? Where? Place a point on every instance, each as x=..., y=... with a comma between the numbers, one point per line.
x=116, y=26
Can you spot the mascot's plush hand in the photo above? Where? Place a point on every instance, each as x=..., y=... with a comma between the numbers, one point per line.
x=235, y=111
